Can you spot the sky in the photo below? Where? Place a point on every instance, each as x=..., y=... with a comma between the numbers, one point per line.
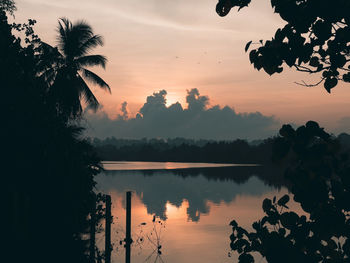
x=178, y=46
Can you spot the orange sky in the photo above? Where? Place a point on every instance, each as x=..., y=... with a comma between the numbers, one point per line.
x=180, y=45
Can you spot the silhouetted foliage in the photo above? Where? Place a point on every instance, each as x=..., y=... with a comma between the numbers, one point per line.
x=8, y=6
x=314, y=40
x=184, y=150
x=47, y=168
x=64, y=67
x=319, y=178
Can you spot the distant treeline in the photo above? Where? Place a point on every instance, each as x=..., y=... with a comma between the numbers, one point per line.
x=187, y=150
x=181, y=150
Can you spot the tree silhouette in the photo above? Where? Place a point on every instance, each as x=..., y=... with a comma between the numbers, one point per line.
x=48, y=172
x=319, y=178
x=64, y=67
x=314, y=40
x=8, y=6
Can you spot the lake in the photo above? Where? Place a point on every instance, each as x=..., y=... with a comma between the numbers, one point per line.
x=185, y=208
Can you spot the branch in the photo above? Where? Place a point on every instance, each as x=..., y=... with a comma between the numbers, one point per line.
x=309, y=85
x=308, y=70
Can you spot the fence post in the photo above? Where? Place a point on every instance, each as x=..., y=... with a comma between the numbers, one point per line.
x=128, y=239
x=108, y=245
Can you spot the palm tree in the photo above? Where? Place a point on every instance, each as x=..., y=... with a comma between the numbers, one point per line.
x=64, y=68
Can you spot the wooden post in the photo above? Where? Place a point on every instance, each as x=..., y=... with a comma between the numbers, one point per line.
x=92, y=230
x=108, y=246
x=128, y=239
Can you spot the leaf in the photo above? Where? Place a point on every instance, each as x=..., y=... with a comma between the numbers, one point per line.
x=92, y=77
x=233, y=237
x=92, y=60
x=223, y=7
x=233, y=223
x=330, y=83
x=314, y=62
x=269, y=69
x=346, y=77
x=267, y=205
x=246, y=258
x=289, y=220
x=247, y=46
x=279, y=70
x=253, y=56
x=282, y=232
x=283, y=200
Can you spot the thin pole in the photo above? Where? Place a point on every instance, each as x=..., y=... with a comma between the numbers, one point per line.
x=128, y=239
x=108, y=246
x=92, y=230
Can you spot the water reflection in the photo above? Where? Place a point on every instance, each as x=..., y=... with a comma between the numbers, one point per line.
x=127, y=166
x=195, y=206
x=157, y=190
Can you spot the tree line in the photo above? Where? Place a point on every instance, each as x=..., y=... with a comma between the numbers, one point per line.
x=190, y=150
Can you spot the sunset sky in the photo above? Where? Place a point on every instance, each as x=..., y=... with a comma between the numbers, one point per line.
x=180, y=45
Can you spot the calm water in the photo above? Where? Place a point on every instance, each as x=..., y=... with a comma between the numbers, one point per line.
x=192, y=208
x=163, y=165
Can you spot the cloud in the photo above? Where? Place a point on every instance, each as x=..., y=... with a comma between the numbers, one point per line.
x=199, y=121
x=343, y=125
x=124, y=111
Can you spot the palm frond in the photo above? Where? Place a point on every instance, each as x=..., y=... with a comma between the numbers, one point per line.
x=74, y=131
x=47, y=48
x=92, y=77
x=64, y=26
x=91, y=43
x=49, y=57
x=79, y=34
x=48, y=76
x=87, y=94
x=72, y=37
x=83, y=29
x=92, y=60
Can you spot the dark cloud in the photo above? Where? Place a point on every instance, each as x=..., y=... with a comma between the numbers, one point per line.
x=124, y=111
x=156, y=119
x=343, y=125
